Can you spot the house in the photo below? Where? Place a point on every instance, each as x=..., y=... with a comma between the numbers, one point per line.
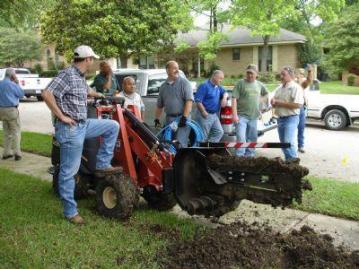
x=240, y=49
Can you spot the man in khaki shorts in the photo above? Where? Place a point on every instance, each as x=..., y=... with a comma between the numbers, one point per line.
x=10, y=93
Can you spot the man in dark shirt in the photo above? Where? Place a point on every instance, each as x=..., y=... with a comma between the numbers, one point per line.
x=66, y=96
x=175, y=98
x=105, y=82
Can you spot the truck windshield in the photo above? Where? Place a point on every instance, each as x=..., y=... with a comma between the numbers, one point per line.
x=155, y=82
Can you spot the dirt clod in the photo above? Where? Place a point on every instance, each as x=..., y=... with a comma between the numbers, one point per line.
x=241, y=245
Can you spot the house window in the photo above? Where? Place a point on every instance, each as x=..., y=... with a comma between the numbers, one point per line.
x=269, y=59
x=236, y=54
x=146, y=62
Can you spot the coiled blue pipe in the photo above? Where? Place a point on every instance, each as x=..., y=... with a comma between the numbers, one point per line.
x=167, y=134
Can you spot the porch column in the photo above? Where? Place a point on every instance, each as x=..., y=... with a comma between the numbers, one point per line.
x=199, y=66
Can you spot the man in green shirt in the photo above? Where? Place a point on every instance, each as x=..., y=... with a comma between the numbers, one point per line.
x=245, y=106
x=105, y=82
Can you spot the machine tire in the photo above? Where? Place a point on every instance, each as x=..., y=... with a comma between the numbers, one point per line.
x=81, y=188
x=116, y=196
x=335, y=119
x=159, y=200
x=39, y=98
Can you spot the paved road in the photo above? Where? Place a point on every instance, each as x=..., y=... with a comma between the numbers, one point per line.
x=330, y=154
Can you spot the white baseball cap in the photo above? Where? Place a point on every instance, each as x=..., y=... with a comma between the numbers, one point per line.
x=84, y=51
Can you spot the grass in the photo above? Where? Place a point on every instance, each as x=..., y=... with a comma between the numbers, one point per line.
x=33, y=233
x=329, y=87
x=34, y=143
x=331, y=197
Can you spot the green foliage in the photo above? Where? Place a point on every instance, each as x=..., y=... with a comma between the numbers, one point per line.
x=213, y=67
x=208, y=48
x=267, y=77
x=49, y=73
x=38, y=68
x=22, y=13
x=114, y=28
x=351, y=80
x=181, y=46
x=343, y=41
x=16, y=47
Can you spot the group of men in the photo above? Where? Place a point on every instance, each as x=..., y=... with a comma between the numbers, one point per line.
x=66, y=96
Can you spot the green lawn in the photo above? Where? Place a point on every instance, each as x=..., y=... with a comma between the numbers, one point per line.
x=334, y=198
x=34, y=142
x=33, y=233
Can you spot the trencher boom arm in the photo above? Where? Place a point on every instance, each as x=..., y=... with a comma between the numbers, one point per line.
x=206, y=180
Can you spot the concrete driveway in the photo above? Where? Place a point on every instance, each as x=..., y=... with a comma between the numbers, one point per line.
x=329, y=154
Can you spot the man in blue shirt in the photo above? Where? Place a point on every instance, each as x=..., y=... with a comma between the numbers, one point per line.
x=209, y=98
x=10, y=93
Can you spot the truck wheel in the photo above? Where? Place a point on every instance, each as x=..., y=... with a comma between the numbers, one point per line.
x=159, y=200
x=81, y=188
x=335, y=119
x=116, y=196
x=39, y=98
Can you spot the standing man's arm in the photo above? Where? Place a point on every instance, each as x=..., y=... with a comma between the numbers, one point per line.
x=51, y=103
x=199, y=96
x=235, y=96
x=188, y=97
x=92, y=93
x=223, y=97
x=187, y=108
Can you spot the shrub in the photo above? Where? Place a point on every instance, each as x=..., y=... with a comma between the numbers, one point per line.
x=49, y=73
x=212, y=68
x=267, y=77
x=351, y=80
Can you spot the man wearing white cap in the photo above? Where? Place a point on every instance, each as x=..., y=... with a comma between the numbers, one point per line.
x=66, y=96
x=245, y=106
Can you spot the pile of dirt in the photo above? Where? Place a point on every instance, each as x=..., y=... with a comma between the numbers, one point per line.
x=252, y=246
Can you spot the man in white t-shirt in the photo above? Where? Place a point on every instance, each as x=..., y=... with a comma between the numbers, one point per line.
x=287, y=101
x=131, y=96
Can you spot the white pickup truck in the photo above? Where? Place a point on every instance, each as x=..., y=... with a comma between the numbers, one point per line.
x=336, y=110
x=32, y=84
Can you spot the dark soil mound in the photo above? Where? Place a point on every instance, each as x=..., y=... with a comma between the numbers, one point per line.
x=250, y=246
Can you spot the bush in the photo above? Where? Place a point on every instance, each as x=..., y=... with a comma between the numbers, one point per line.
x=267, y=77
x=351, y=80
x=212, y=68
x=49, y=73
x=38, y=68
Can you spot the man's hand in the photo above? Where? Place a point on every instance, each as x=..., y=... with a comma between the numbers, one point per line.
x=68, y=120
x=182, y=122
x=273, y=102
x=157, y=123
x=204, y=114
x=235, y=118
x=99, y=95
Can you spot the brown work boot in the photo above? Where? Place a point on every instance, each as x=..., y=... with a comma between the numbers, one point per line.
x=108, y=171
x=77, y=219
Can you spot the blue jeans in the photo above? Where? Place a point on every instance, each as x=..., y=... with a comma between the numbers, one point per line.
x=71, y=139
x=287, y=131
x=182, y=133
x=301, y=127
x=211, y=126
x=246, y=131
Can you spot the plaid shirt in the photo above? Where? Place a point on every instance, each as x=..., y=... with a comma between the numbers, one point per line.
x=70, y=90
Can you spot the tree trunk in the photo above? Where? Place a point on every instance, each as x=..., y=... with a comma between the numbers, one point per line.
x=264, y=56
x=123, y=58
x=215, y=22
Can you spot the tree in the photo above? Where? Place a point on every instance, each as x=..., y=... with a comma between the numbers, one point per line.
x=16, y=47
x=265, y=17
x=114, y=28
x=21, y=13
x=343, y=41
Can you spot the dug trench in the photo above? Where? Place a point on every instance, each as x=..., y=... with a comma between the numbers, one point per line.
x=254, y=245
x=242, y=245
